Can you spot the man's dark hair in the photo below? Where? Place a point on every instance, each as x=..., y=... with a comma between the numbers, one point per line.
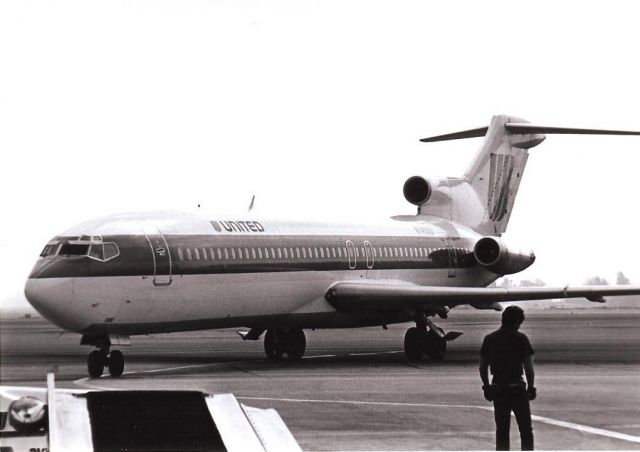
x=513, y=315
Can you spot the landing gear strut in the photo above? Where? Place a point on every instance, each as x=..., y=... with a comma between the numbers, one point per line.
x=426, y=339
x=277, y=342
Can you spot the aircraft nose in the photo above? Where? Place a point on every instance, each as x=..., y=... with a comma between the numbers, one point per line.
x=51, y=297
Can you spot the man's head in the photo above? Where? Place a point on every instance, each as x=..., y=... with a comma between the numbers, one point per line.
x=512, y=317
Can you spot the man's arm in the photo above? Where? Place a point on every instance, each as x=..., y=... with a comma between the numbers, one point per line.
x=484, y=371
x=529, y=371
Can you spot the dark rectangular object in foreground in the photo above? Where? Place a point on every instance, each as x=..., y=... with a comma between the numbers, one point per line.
x=152, y=421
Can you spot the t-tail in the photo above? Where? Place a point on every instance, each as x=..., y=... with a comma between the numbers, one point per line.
x=483, y=198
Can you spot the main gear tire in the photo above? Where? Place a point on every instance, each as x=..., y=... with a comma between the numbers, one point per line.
x=296, y=344
x=272, y=346
x=435, y=346
x=413, y=346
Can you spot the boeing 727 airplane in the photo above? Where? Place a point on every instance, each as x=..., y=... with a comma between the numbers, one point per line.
x=131, y=274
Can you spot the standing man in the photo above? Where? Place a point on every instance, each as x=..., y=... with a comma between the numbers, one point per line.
x=507, y=352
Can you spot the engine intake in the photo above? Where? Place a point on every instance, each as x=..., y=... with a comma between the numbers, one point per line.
x=417, y=190
x=492, y=254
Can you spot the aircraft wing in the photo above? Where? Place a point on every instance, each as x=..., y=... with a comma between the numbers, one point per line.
x=393, y=296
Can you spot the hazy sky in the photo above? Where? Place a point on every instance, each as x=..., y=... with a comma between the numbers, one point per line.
x=317, y=108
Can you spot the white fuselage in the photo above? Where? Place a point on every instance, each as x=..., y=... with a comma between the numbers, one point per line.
x=163, y=272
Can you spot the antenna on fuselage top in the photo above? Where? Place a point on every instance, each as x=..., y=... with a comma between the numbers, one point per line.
x=253, y=198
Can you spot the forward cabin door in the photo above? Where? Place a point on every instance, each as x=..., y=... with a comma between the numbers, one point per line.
x=162, y=264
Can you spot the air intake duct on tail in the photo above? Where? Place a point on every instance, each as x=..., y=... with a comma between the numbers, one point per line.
x=493, y=254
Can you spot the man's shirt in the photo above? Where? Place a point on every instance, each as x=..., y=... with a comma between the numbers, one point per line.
x=505, y=350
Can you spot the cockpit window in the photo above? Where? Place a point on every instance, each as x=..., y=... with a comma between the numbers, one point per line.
x=85, y=245
x=96, y=251
x=110, y=251
x=73, y=249
x=50, y=249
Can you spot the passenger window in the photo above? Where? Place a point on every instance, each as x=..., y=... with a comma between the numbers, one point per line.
x=273, y=253
x=310, y=253
x=197, y=253
x=226, y=253
x=180, y=256
x=253, y=253
x=246, y=253
x=204, y=254
x=291, y=253
x=333, y=252
x=266, y=253
x=304, y=253
x=233, y=253
x=259, y=253
x=219, y=253
x=321, y=253
x=286, y=256
x=213, y=256
x=189, y=253
x=239, y=251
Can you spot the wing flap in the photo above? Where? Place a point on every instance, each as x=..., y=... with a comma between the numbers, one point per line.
x=354, y=295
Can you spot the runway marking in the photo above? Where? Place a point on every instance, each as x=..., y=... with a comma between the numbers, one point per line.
x=546, y=420
x=85, y=381
x=587, y=429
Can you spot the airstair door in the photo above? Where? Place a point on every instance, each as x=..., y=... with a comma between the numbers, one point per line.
x=162, y=264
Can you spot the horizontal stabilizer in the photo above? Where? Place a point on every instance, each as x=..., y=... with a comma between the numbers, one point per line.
x=515, y=127
x=473, y=133
x=525, y=128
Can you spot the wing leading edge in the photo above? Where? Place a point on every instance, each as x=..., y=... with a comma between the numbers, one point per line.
x=362, y=295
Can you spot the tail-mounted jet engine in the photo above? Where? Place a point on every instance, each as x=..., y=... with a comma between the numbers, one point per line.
x=492, y=254
x=417, y=190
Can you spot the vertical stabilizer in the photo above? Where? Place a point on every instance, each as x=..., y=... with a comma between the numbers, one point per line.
x=483, y=199
x=496, y=172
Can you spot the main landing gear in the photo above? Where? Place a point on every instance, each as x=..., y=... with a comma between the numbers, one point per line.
x=104, y=356
x=426, y=338
x=277, y=342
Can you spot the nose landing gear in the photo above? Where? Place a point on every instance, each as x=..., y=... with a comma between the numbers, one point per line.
x=103, y=356
x=99, y=359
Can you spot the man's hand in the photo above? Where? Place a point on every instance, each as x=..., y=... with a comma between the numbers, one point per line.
x=488, y=392
x=532, y=392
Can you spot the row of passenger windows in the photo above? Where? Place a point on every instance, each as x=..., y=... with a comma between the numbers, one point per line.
x=303, y=252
